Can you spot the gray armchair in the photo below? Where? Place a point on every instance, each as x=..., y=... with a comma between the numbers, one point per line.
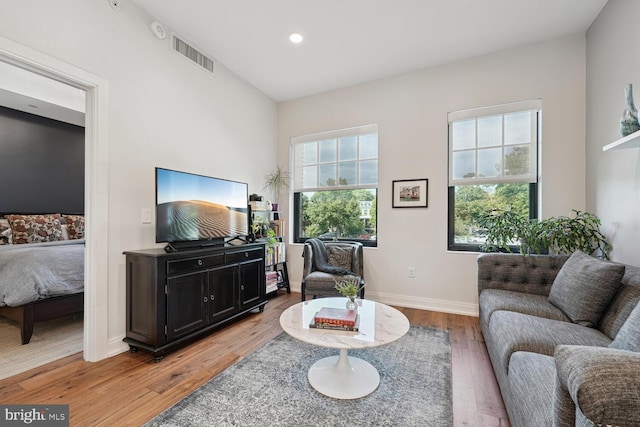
x=343, y=255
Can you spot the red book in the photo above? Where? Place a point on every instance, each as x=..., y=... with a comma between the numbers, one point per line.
x=336, y=316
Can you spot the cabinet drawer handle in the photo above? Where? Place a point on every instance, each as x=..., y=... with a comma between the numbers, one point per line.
x=246, y=254
x=212, y=297
x=206, y=299
x=199, y=262
x=242, y=287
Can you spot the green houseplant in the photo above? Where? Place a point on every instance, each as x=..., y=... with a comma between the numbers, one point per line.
x=350, y=288
x=276, y=182
x=561, y=235
x=261, y=228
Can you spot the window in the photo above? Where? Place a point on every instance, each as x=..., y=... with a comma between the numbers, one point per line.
x=493, y=155
x=335, y=176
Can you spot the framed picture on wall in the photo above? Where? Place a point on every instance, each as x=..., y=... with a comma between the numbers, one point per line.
x=410, y=193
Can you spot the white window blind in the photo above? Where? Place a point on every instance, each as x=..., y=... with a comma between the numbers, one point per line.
x=495, y=144
x=336, y=160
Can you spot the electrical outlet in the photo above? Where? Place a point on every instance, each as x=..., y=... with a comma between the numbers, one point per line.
x=412, y=272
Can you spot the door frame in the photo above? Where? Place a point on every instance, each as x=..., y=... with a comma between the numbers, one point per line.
x=96, y=180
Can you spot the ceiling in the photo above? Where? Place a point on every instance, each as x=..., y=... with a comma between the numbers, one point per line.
x=348, y=42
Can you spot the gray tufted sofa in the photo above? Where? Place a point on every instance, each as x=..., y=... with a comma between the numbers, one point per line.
x=551, y=369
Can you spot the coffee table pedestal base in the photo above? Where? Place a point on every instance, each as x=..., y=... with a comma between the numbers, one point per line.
x=344, y=377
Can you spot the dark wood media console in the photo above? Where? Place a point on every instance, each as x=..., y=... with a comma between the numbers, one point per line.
x=175, y=297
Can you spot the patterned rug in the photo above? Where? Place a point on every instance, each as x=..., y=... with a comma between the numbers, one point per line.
x=51, y=340
x=270, y=388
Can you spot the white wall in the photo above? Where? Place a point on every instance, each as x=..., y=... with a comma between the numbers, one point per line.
x=411, y=113
x=613, y=177
x=163, y=111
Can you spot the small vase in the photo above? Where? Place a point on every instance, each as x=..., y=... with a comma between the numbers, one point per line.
x=351, y=304
x=629, y=120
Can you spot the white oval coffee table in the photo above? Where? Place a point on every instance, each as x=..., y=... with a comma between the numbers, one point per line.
x=344, y=376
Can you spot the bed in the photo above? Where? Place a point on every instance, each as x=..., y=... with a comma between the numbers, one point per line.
x=41, y=280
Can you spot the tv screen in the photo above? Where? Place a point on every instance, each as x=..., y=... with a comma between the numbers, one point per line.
x=192, y=207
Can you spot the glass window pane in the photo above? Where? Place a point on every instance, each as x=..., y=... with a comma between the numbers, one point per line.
x=310, y=176
x=517, y=128
x=347, y=173
x=464, y=164
x=339, y=214
x=310, y=153
x=490, y=131
x=368, y=146
x=464, y=134
x=347, y=148
x=517, y=160
x=368, y=173
x=328, y=150
x=490, y=162
x=327, y=175
x=473, y=202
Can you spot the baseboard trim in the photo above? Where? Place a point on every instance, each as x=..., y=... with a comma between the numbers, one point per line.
x=408, y=301
x=116, y=346
x=443, y=306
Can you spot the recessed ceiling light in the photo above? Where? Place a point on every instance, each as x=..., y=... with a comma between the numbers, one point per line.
x=296, y=38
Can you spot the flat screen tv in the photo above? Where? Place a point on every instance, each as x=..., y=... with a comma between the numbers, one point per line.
x=196, y=210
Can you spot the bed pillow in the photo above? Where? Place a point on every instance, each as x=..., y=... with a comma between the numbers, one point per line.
x=5, y=232
x=75, y=226
x=35, y=228
x=584, y=287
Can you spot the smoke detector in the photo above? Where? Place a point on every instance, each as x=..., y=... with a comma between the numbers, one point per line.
x=115, y=4
x=158, y=30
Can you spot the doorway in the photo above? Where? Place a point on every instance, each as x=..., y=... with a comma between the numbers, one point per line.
x=96, y=277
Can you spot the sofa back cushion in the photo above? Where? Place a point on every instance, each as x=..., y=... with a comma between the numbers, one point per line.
x=628, y=337
x=585, y=286
x=625, y=300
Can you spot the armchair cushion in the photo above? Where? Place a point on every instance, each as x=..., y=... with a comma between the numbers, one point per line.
x=584, y=287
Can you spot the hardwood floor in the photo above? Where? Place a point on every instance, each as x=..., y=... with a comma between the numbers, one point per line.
x=130, y=389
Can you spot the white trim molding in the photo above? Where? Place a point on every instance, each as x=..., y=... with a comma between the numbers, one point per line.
x=96, y=184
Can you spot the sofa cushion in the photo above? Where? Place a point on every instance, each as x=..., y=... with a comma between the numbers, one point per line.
x=584, y=287
x=492, y=300
x=628, y=337
x=531, y=382
x=513, y=332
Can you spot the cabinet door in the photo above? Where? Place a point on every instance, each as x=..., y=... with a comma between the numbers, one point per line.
x=186, y=304
x=251, y=282
x=223, y=292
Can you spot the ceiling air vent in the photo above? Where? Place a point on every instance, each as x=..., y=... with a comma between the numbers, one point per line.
x=193, y=54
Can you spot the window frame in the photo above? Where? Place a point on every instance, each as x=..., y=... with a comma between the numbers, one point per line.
x=298, y=185
x=534, y=186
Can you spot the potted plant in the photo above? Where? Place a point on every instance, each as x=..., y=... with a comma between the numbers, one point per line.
x=350, y=288
x=261, y=228
x=561, y=235
x=275, y=183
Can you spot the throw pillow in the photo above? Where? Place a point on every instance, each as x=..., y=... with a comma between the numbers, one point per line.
x=75, y=226
x=584, y=287
x=35, y=228
x=5, y=232
x=628, y=337
x=339, y=256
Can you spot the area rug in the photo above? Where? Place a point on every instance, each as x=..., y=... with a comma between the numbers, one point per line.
x=270, y=388
x=51, y=340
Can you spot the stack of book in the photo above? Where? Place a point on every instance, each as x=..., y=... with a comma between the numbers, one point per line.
x=335, y=318
x=272, y=281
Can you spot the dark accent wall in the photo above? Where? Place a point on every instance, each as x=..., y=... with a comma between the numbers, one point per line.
x=41, y=164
